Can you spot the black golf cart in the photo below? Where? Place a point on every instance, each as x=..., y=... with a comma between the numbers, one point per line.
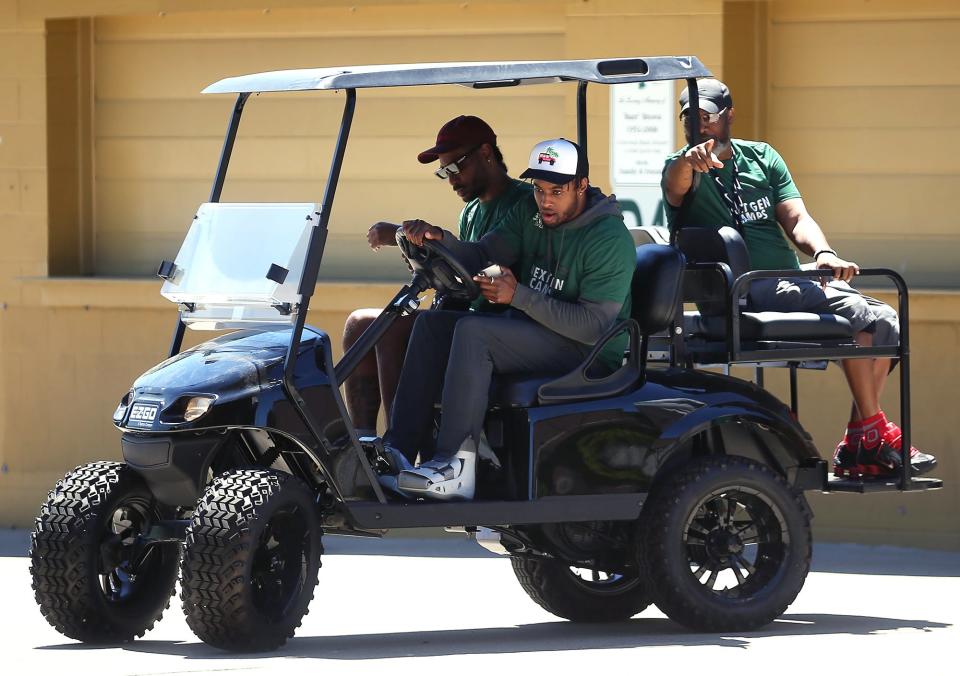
x=658, y=483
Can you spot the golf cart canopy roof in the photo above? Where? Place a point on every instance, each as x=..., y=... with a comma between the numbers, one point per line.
x=479, y=75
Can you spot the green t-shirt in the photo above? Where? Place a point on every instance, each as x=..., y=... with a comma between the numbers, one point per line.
x=593, y=262
x=478, y=218
x=765, y=182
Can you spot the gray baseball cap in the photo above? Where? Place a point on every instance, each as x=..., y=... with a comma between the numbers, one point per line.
x=714, y=96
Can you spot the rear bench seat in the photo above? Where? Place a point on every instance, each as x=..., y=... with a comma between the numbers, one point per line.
x=708, y=284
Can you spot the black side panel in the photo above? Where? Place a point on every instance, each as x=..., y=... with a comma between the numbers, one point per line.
x=605, y=451
x=620, y=445
x=620, y=507
x=747, y=435
x=174, y=466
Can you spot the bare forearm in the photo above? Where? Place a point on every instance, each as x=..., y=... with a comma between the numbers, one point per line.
x=677, y=181
x=799, y=226
x=808, y=237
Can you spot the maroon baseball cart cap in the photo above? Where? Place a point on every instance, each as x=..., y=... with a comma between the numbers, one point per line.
x=460, y=132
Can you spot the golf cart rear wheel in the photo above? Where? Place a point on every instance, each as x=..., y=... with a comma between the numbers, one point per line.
x=94, y=577
x=579, y=594
x=726, y=544
x=251, y=559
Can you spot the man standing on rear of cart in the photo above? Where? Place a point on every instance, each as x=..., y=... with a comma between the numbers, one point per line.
x=575, y=259
x=723, y=181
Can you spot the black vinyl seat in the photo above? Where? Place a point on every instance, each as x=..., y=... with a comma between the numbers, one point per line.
x=717, y=257
x=788, y=326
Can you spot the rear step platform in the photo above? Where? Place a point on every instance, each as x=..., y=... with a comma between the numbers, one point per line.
x=839, y=485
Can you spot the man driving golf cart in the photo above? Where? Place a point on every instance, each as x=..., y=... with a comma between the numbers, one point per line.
x=576, y=261
x=471, y=163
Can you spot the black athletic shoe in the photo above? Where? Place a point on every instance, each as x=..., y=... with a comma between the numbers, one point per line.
x=845, y=464
x=884, y=460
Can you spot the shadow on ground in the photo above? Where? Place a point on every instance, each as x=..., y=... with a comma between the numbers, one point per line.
x=545, y=637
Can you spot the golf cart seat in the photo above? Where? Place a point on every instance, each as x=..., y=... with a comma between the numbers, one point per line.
x=763, y=326
x=649, y=234
x=718, y=257
x=655, y=293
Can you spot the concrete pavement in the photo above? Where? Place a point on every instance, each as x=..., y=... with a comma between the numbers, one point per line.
x=886, y=610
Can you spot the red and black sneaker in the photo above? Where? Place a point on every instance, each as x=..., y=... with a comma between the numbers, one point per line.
x=883, y=459
x=845, y=464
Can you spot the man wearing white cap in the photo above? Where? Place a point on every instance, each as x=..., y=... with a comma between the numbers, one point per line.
x=576, y=261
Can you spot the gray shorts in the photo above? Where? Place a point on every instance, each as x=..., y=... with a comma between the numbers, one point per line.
x=796, y=294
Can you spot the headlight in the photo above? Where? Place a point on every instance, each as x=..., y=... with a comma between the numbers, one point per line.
x=196, y=407
x=122, y=406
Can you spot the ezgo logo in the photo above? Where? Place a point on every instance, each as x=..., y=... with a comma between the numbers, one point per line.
x=143, y=414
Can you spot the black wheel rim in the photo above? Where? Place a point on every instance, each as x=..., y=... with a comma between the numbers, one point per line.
x=602, y=582
x=124, y=564
x=736, y=541
x=582, y=541
x=280, y=563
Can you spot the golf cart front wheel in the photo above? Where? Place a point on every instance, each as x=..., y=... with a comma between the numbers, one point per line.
x=579, y=594
x=251, y=559
x=726, y=544
x=96, y=576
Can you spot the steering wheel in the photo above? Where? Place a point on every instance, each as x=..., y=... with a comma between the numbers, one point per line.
x=441, y=268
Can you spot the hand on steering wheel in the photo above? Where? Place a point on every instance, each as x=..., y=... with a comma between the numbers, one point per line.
x=435, y=261
x=416, y=231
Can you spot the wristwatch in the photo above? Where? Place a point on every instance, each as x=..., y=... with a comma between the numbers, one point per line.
x=817, y=253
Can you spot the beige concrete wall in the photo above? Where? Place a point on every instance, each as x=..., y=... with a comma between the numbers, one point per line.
x=861, y=97
x=157, y=139
x=23, y=222
x=69, y=148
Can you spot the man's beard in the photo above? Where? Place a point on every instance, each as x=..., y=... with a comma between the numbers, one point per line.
x=721, y=146
x=721, y=141
x=470, y=192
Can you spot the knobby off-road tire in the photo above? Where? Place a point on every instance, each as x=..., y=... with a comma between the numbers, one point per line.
x=92, y=581
x=726, y=545
x=560, y=590
x=251, y=559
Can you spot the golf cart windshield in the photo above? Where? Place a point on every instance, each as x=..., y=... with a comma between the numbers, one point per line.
x=241, y=264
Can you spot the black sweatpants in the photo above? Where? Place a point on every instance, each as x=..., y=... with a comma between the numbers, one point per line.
x=452, y=357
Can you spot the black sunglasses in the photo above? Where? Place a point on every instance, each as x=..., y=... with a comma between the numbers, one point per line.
x=446, y=170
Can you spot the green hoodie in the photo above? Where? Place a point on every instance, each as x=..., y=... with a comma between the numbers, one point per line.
x=575, y=277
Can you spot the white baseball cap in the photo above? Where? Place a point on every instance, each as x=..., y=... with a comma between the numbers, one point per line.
x=558, y=161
